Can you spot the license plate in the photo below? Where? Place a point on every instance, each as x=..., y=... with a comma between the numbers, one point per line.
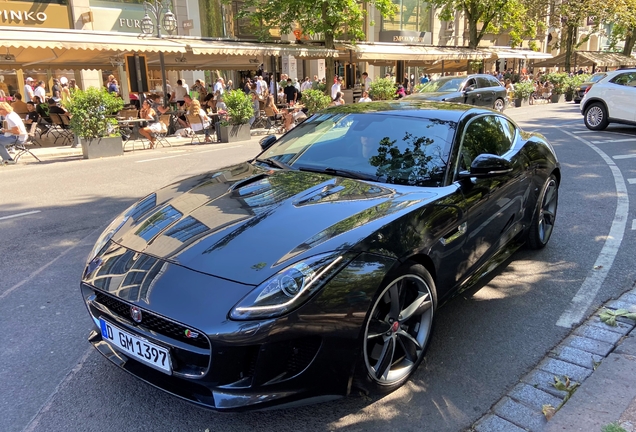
x=137, y=347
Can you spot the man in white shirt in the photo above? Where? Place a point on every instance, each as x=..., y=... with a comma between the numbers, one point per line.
x=366, y=81
x=260, y=86
x=15, y=129
x=40, y=91
x=218, y=86
x=335, y=88
x=306, y=85
x=178, y=93
x=28, y=90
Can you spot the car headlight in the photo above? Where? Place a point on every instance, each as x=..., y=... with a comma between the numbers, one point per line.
x=289, y=288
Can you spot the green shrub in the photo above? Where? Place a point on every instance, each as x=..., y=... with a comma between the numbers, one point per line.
x=523, y=89
x=92, y=112
x=382, y=89
x=558, y=80
x=315, y=100
x=239, y=107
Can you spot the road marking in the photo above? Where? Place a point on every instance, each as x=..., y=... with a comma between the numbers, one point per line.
x=583, y=131
x=614, y=141
x=583, y=299
x=47, y=265
x=20, y=214
x=631, y=181
x=35, y=420
x=633, y=224
x=627, y=156
x=185, y=154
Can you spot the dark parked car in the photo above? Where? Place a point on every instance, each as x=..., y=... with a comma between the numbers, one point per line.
x=580, y=91
x=480, y=90
x=317, y=267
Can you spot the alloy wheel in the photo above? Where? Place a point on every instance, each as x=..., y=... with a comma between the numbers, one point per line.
x=398, y=329
x=499, y=105
x=547, y=212
x=594, y=116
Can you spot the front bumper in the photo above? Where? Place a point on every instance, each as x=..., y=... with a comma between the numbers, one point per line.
x=304, y=357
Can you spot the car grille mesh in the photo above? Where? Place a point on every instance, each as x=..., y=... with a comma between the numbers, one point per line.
x=151, y=321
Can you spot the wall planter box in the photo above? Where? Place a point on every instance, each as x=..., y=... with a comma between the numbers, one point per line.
x=102, y=147
x=229, y=134
x=521, y=102
x=557, y=98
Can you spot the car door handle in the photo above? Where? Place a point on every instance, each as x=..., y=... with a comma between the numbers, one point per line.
x=460, y=231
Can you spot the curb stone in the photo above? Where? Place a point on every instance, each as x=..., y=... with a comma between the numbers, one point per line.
x=576, y=357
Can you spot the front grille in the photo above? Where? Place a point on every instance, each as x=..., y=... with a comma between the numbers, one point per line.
x=152, y=322
x=302, y=353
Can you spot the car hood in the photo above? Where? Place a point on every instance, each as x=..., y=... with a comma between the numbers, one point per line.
x=244, y=223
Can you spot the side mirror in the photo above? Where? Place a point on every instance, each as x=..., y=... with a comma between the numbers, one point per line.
x=487, y=165
x=267, y=141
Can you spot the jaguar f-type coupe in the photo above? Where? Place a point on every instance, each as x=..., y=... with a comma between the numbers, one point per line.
x=317, y=268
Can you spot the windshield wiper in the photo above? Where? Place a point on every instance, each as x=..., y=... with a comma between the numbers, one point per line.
x=275, y=163
x=342, y=172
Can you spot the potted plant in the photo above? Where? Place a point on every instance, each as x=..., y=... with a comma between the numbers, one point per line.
x=92, y=120
x=572, y=85
x=382, y=89
x=239, y=112
x=315, y=100
x=523, y=90
x=558, y=80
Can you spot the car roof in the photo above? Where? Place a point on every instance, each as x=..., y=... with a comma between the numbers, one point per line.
x=409, y=108
x=617, y=71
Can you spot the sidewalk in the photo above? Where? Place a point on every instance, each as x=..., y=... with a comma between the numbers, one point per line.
x=51, y=151
x=600, y=362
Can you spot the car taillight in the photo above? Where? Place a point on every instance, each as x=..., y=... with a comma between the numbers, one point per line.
x=587, y=89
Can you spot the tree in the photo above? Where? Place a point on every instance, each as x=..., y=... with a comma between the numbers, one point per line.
x=573, y=15
x=336, y=19
x=622, y=14
x=520, y=17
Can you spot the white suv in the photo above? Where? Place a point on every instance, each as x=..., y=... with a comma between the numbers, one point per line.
x=611, y=100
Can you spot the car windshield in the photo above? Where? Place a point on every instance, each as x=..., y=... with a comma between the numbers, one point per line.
x=378, y=147
x=448, y=84
x=597, y=77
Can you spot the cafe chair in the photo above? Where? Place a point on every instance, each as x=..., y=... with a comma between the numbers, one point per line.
x=160, y=137
x=195, y=119
x=61, y=130
x=20, y=149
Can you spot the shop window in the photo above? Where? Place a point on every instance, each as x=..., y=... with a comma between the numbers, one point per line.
x=413, y=15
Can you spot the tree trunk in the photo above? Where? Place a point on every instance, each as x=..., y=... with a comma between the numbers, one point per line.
x=330, y=63
x=629, y=41
x=473, y=34
x=569, y=45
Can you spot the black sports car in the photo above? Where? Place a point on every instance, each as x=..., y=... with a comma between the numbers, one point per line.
x=581, y=89
x=481, y=90
x=318, y=266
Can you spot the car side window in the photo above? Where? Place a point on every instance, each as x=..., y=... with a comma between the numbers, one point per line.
x=627, y=79
x=494, y=82
x=469, y=83
x=485, y=134
x=483, y=82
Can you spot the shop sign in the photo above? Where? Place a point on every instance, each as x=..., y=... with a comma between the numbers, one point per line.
x=25, y=14
x=405, y=37
x=119, y=17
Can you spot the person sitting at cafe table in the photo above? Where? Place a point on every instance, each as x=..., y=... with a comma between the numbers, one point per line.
x=204, y=124
x=271, y=110
x=153, y=125
x=18, y=105
x=15, y=130
x=41, y=108
x=55, y=108
x=183, y=111
x=31, y=116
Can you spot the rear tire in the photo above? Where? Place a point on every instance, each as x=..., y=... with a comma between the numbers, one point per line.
x=499, y=105
x=397, y=330
x=595, y=116
x=544, y=215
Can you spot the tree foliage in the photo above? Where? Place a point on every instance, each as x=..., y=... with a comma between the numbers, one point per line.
x=315, y=100
x=622, y=14
x=521, y=18
x=382, y=89
x=335, y=19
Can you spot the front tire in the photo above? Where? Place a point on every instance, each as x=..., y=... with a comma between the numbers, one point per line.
x=397, y=330
x=595, y=116
x=544, y=215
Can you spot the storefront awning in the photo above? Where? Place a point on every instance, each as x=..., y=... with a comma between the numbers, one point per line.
x=512, y=53
x=411, y=53
x=83, y=40
x=210, y=47
x=590, y=58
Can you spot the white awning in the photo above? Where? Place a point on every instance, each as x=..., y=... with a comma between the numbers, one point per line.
x=231, y=48
x=411, y=53
x=512, y=53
